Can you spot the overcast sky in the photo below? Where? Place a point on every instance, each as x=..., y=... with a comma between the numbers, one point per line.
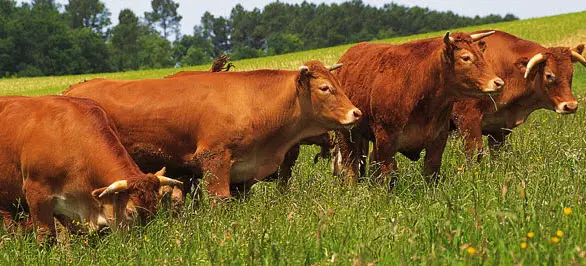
x=192, y=10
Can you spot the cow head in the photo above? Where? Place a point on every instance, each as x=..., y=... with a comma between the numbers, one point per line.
x=122, y=202
x=466, y=73
x=550, y=73
x=322, y=97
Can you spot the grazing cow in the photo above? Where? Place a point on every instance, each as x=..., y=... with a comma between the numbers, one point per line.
x=406, y=92
x=233, y=128
x=61, y=157
x=536, y=77
x=222, y=63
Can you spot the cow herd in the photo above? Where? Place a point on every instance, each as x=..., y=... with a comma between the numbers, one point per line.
x=92, y=157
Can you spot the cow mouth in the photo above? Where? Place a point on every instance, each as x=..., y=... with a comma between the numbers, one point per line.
x=482, y=93
x=352, y=118
x=568, y=107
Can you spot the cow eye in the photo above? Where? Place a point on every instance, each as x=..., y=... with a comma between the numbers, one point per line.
x=466, y=58
x=549, y=77
x=324, y=88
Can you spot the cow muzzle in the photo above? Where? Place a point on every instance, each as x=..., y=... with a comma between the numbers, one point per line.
x=567, y=107
x=352, y=117
x=494, y=86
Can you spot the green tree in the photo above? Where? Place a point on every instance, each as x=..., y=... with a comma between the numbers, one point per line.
x=154, y=51
x=195, y=56
x=165, y=15
x=280, y=43
x=125, y=41
x=181, y=47
x=217, y=31
x=89, y=14
x=95, y=54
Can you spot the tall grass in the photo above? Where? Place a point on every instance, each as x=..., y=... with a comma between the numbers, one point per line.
x=481, y=213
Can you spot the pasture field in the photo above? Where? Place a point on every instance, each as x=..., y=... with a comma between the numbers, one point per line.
x=524, y=205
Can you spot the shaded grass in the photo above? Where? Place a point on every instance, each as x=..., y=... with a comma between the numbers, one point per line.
x=488, y=206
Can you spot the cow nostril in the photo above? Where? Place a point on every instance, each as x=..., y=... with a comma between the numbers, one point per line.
x=357, y=113
x=499, y=83
x=569, y=107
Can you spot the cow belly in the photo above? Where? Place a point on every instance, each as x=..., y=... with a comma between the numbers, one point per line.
x=253, y=168
x=413, y=138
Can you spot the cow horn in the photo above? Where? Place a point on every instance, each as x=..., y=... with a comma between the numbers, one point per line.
x=478, y=36
x=161, y=172
x=336, y=66
x=579, y=57
x=117, y=186
x=165, y=181
x=536, y=59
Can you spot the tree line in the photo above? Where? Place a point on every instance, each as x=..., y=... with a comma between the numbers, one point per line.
x=44, y=38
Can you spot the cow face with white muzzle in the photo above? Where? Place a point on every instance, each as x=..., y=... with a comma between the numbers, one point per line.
x=126, y=201
x=324, y=97
x=550, y=73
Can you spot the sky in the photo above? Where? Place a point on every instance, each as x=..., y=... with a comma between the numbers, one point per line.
x=192, y=10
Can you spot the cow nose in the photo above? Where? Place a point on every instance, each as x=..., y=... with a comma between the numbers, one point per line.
x=568, y=107
x=352, y=117
x=498, y=83
x=357, y=113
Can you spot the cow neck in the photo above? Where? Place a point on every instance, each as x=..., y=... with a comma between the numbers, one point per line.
x=433, y=96
x=110, y=163
x=284, y=123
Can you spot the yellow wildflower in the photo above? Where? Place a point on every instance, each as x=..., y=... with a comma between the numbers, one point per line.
x=471, y=250
x=555, y=240
x=559, y=233
x=530, y=235
x=523, y=245
x=567, y=211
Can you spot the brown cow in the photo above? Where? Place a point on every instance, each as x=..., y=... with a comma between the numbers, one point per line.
x=234, y=127
x=536, y=77
x=61, y=157
x=324, y=141
x=406, y=92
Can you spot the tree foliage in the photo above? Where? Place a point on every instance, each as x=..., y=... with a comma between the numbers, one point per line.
x=43, y=38
x=165, y=15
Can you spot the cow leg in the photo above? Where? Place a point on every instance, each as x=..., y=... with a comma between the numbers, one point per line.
x=286, y=168
x=385, y=148
x=470, y=127
x=216, y=166
x=348, y=155
x=433, y=157
x=40, y=205
x=496, y=141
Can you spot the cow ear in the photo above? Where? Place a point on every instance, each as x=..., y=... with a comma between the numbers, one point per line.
x=579, y=49
x=447, y=55
x=448, y=40
x=482, y=45
x=304, y=73
x=521, y=64
x=96, y=193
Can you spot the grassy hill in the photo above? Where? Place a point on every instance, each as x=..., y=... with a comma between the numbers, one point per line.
x=507, y=209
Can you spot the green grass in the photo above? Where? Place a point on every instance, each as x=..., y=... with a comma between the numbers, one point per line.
x=489, y=206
